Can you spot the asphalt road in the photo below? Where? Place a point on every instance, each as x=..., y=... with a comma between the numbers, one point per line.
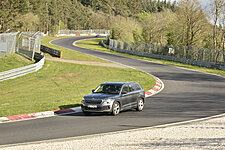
x=187, y=95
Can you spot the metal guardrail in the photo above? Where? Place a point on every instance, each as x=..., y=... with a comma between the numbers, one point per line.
x=51, y=51
x=11, y=74
x=116, y=46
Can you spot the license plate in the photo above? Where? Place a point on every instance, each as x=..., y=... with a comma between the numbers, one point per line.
x=92, y=106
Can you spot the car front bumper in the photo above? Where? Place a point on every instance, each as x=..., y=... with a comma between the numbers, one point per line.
x=99, y=108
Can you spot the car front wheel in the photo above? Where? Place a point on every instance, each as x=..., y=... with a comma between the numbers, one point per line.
x=115, y=108
x=140, y=105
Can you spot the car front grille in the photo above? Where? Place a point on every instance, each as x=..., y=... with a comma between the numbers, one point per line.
x=93, y=101
x=98, y=109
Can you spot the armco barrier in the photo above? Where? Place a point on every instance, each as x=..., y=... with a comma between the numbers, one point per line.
x=51, y=51
x=10, y=74
x=170, y=58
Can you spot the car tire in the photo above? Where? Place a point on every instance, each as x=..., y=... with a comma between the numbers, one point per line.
x=115, y=108
x=87, y=113
x=140, y=105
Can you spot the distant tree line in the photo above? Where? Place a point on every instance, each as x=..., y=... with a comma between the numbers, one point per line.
x=44, y=15
x=184, y=22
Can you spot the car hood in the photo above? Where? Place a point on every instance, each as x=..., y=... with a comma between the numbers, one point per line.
x=98, y=96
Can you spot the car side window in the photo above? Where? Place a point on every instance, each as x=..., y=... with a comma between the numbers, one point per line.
x=132, y=87
x=137, y=87
x=125, y=88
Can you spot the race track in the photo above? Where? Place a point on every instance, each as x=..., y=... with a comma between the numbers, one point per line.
x=187, y=95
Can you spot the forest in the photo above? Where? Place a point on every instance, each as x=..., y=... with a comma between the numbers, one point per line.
x=181, y=22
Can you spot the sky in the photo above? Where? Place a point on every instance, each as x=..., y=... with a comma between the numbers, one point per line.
x=204, y=3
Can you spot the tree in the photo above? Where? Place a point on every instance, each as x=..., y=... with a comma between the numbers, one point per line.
x=27, y=22
x=191, y=21
x=155, y=27
x=218, y=11
x=9, y=10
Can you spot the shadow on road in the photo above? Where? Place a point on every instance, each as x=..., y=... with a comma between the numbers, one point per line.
x=68, y=106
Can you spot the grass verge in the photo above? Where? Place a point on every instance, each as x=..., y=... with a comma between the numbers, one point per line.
x=94, y=44
x=60, y=85
x=12, y=61
x=68, y=54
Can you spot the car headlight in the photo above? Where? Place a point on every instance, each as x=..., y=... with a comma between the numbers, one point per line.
x=106, y=101
x=83, y=101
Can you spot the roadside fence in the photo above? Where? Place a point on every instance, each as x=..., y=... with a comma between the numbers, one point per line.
x=14, y=42
x=27, y=43
x=203, y=57
x=8, y=43
x=100, y=32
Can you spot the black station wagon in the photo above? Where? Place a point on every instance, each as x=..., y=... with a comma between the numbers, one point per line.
x=113, y=97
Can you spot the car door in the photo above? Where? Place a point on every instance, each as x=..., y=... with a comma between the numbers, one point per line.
x=125, y=97
x=134, y=94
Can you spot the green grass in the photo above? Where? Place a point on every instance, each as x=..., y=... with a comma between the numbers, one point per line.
x=60, y=85
x=12, y=61
x=69, y=54
x=94, y=44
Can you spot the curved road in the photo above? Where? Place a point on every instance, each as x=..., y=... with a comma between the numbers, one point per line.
x=187, y=95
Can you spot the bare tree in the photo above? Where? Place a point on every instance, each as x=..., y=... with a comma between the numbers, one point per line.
x=217, y=12
x=192, y=20
x=155, y=27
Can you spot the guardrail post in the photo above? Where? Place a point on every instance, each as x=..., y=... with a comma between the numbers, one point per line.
x=29, y=44
x=33, y=50
x=18, y=45
x=60, y=54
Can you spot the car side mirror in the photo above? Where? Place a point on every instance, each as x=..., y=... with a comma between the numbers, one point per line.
x=93, y=90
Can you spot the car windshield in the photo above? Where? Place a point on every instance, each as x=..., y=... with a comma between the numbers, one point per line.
x=108, y=89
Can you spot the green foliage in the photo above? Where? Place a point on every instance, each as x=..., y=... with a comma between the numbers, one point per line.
x=122, y=28
x=27, y=22
x=170, y=38
x=154, y=6
x=116, y=7
x=143, y=15
x=44, y=15
x=155, y=27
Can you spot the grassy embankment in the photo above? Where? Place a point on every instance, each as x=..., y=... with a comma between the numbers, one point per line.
x=12, y=61
x=60, y=85
x=94, y=44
